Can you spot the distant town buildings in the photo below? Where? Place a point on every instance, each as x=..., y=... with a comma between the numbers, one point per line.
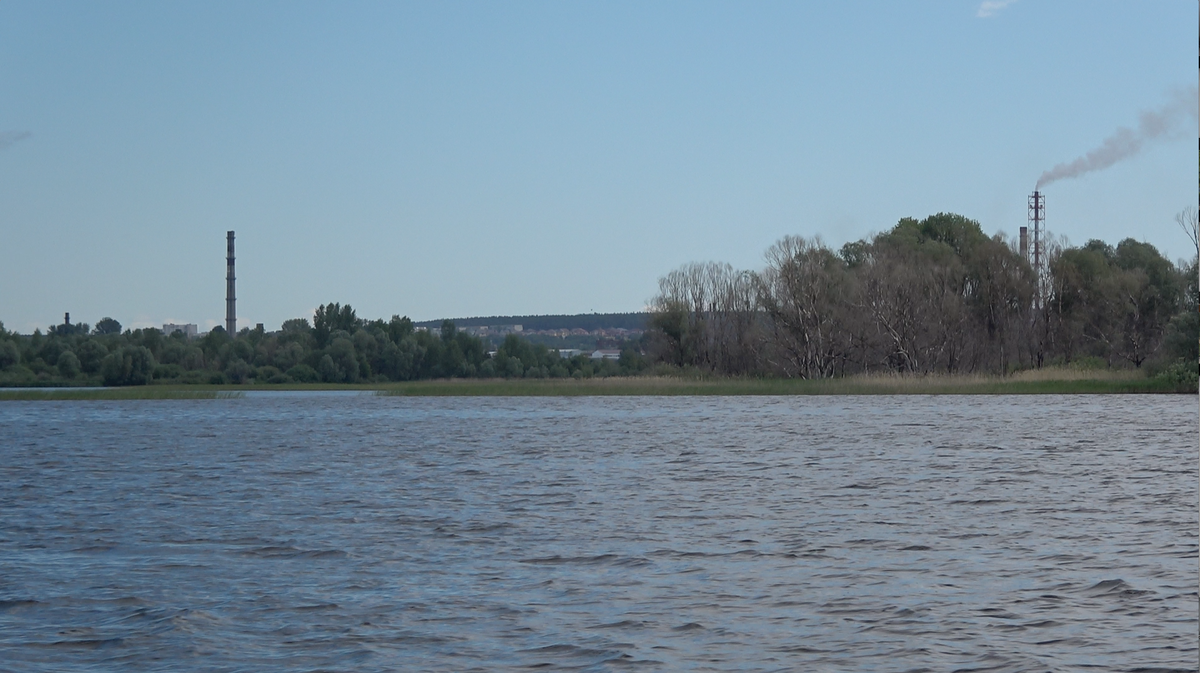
x=189, y=330
x=492, y=330
x=606, y=332
x=481, y=330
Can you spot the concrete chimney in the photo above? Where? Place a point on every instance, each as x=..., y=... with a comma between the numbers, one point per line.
x=230, y=295
x=1025, y=242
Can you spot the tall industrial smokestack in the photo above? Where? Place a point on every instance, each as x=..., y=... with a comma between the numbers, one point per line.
x=1037, y=217
x=1024, y=242
x=230, y=295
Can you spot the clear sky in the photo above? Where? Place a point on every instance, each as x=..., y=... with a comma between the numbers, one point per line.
x=449, y=159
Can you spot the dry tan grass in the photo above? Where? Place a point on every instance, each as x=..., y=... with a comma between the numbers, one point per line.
x=1074, y=374
x=908, y=381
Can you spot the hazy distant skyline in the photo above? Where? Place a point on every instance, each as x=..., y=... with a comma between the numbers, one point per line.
x=458, y=159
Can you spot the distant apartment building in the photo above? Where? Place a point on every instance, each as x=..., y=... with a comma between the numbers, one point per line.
x=189, y=330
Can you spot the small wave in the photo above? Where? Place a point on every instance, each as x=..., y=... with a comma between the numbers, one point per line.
x=85, y=643
x=1115, y=587
x=588, y=560
x=1106, y=586
x=318, y=606
x=866, y=542
x=1072, y=642
x=626, y=660
x=486, y=527
x=798, y=649
x=623, y=624
x=16, y=604
x=94, y=549
x=281, y=552
x=569, y=650
x=412, y=638
x=672, y=553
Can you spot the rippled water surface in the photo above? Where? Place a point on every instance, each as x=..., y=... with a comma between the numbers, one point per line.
x=312, y=532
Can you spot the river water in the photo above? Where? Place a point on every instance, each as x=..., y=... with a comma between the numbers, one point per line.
x=332, y=533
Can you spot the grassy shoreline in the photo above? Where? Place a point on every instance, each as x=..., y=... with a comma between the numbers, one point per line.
x=1034, y=382
x=875, y=385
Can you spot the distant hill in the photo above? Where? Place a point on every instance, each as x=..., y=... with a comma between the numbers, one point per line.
x=586, y=321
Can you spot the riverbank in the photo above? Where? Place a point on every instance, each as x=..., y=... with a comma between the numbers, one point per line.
x=1033, y=382
x=1027, y=383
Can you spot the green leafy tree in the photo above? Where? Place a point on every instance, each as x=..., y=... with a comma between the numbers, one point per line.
x=399, y=328
x=128, y=366
x=213, y=342
x=341, y=353
x=90, y=353
x=172, y=351
x=1183, y=332
x=192, y=358
x=403, y=360
x=288, y=355
x=108, y=326
x=237, y=349
x=10, y=355
x=329, y=372
x=297, y=325
x=68, y=365
x=237, y=371
x=331, y=318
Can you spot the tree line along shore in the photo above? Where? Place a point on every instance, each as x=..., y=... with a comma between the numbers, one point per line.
x=927, y=298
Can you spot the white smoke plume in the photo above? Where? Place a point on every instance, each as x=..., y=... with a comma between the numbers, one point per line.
x=1126, y=142
x=8, y=138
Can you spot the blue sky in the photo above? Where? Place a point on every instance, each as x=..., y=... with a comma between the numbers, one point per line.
x=457, y=159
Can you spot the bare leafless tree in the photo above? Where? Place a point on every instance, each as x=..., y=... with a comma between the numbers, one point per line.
x=1188, y=219
x=804, y=291
x=706, y=311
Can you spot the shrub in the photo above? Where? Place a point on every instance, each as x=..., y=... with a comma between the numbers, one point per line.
x=303, y=374
x=166, y=372
x=193, y=377
x=1182, y=376
x=268, y=373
